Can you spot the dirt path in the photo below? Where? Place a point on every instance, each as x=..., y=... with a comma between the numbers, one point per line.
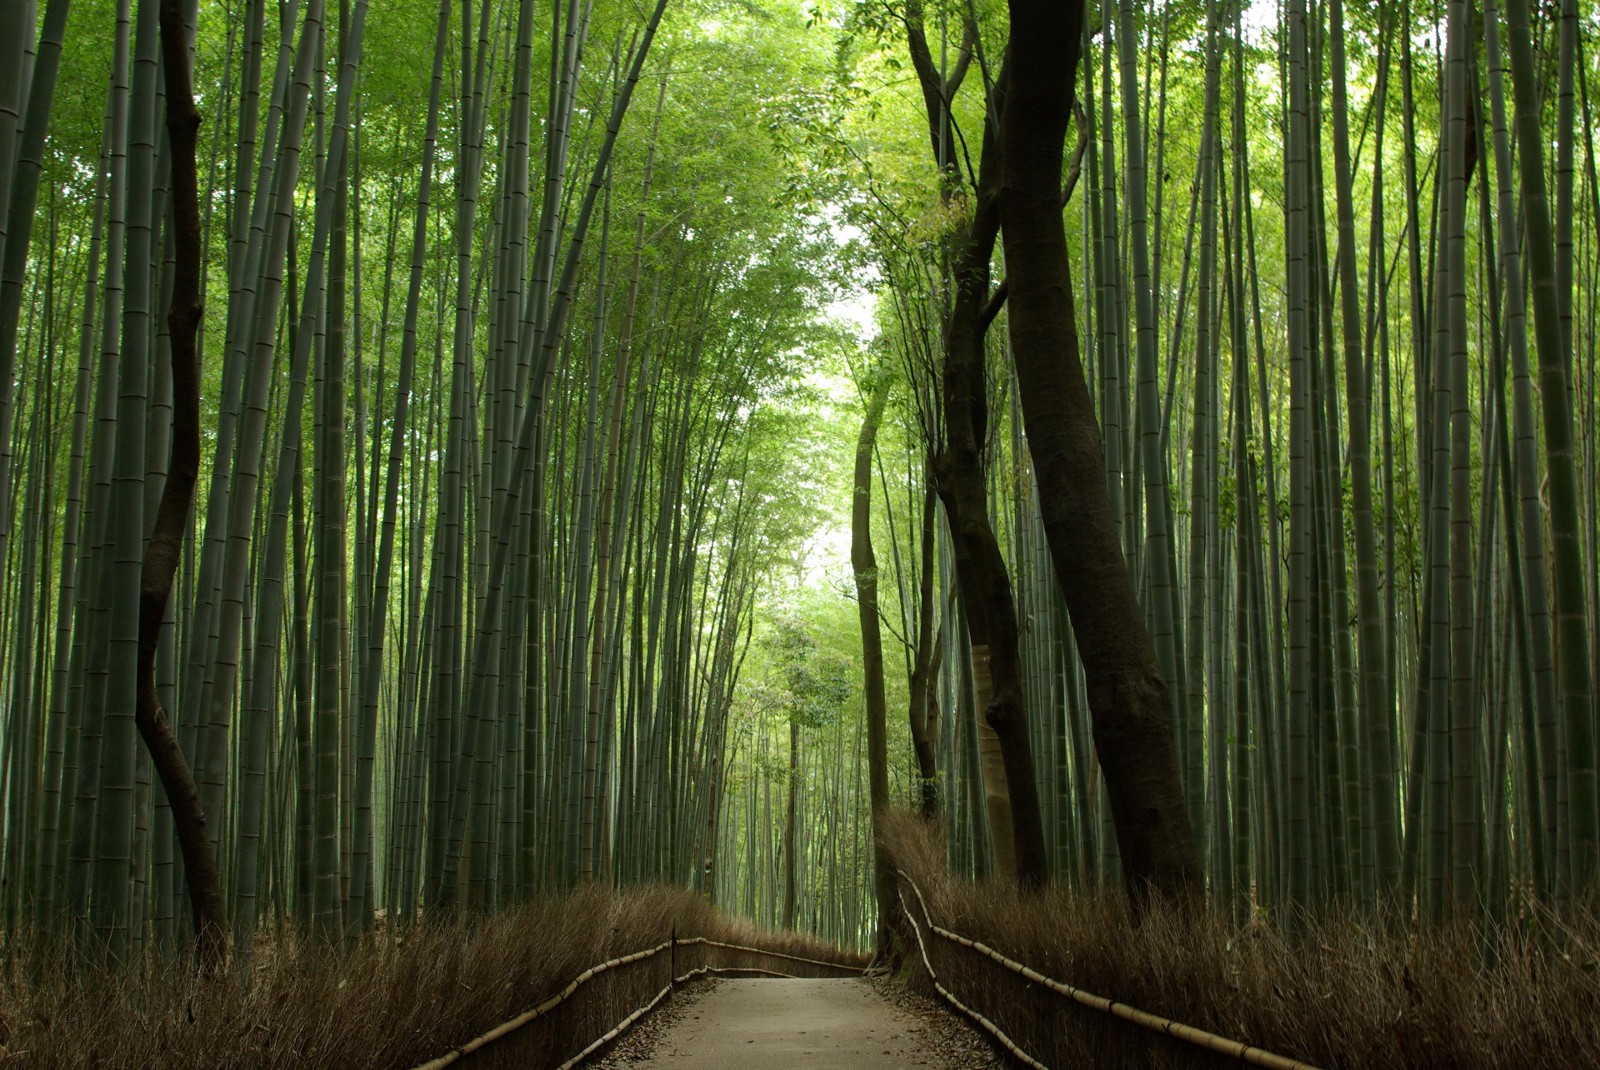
x=772, y=1024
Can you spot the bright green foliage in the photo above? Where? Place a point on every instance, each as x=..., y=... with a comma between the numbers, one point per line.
x=509, y=571
x=1318, y=374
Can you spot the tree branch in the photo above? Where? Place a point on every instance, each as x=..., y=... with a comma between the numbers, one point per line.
x=997, y=300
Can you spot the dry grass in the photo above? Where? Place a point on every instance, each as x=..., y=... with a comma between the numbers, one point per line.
x=1339, y=993
x=394, y=1003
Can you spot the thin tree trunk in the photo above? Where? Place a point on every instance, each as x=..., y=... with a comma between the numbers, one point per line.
x=172, y=516
x=924, y=698
x=865, y=565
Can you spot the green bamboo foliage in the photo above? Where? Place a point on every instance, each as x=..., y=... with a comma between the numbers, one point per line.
x=363, y=894
x=1579, y=839
x=309, y=610
x=27, y=92
x=1158, y=551
x=506, y=519
x=111, y=906
x=1395, y=470
x=1377, y=715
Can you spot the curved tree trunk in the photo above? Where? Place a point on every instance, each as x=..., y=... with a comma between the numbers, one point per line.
x=981, y=572
x=172, y=517
x=1127, y=696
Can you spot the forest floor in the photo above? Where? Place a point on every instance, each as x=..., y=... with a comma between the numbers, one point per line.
x=767, y=1024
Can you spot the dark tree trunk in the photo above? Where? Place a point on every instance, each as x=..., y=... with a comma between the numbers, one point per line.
x=980, y=569
x=939, y=89
x=1128, y=699
x=981, y=575
x=791, y=839
x=172, y=515
x=924, y=667
x=865, y=565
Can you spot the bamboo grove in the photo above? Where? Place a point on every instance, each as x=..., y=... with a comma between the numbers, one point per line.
x=524, y=423
x=493, y=477
x=1335, y=300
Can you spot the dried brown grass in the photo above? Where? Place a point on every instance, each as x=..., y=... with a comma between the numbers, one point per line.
x=1342, y=991
x=395, y=1002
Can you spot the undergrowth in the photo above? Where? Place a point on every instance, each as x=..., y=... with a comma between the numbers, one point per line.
x=402, y=998
x=1341, y=991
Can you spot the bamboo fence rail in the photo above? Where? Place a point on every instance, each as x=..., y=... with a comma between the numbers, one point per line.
x=545, y=1007
x=1235, y=1049
x=955, y=1001
x=671, y=944
x=627, y=1023
x=770, y=954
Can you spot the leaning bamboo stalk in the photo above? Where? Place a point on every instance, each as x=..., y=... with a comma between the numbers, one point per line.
x=1190, y=1034
x=158, y=568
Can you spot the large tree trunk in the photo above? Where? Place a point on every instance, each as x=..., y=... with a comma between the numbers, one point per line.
x=1128, y=698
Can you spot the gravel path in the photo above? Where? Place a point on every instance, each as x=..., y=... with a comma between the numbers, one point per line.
x=769, y=1024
